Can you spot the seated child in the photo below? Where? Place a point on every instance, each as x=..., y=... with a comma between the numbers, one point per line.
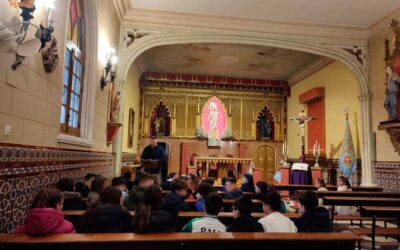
x=320, y=184
x=314, y=218
x=262, y=188
x=134, y=200
x=98, y=185
x=209, y=223
x=120, y=183
x=130, y=179
x=232, y=191
x=167, y=184
x=72, y=199
x=107, y=216
x=247, y=183
x=188, y=180
x=208, y=180
x=176, y=199
x=45, y=216
x=343, y=185
x=152, y=217
x=84, y=187
x=243, y=221
x=275, y=221
x=202, y=191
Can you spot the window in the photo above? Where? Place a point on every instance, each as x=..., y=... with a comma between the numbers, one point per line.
x=72, y=92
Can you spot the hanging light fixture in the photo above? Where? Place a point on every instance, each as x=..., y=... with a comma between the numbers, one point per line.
x=14, y=47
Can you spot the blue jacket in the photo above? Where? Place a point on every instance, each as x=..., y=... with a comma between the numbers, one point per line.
x=234, y=194
x=200, y=205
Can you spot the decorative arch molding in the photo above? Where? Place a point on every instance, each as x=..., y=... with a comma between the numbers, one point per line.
x=328, y=50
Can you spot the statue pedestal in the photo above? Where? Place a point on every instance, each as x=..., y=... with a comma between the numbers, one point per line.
x=316, y=173
x=285, y=175
x=393, y=129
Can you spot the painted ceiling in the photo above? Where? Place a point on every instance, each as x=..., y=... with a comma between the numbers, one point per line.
x=356, y=13
x=232, y=60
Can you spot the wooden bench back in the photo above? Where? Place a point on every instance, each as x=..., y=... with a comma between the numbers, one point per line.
x=173, y=241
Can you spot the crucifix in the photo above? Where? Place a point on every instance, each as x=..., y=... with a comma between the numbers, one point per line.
x=302, y=120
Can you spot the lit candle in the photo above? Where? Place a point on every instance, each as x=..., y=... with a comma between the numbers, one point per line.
x=319, y=148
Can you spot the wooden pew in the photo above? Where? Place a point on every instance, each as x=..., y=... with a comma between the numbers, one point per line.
x=226, y=201
x=322, y=194
x=382, y=212
x=175, y=241
x=74, y=213
x=184, y=217
x=292, y=187
x=165, y=192
x=358, y=201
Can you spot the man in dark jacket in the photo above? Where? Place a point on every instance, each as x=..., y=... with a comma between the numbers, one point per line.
x=244, y=222
x=153, y=152
x=314, y=218
x=176, y=199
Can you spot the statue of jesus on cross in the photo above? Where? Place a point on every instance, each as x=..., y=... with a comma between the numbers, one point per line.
x=302, y=120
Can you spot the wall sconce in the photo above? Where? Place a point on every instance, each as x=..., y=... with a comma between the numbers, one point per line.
x=109, y=73
x=13, y=35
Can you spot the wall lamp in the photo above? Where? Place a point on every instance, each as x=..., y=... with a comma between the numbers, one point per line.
x=13, y=35
x=109, y=73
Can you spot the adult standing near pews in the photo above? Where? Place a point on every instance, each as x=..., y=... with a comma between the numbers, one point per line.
x=153, y=158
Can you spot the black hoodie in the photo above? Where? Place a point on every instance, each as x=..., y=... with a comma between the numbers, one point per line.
x=106, y=219
x=314, y=220
x=245, y=223
x=176, y=202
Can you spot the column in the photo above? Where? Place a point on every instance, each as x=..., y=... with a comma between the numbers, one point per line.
x=117, y=144
x=367, y=178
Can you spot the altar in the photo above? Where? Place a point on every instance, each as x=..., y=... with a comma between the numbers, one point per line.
x=220, y=167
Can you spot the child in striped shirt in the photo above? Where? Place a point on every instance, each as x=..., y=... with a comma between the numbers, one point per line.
x=209, y=223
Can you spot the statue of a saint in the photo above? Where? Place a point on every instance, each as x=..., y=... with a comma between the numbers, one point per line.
x=268, y=129
x=392, y=91
x=213, y=119
x=157, y=125
x=116, y=107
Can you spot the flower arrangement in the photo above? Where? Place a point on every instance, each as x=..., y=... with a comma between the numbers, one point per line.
x=200, y=133
x=228, y=134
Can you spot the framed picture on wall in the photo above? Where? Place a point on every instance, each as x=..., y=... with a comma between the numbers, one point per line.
x=131, y=126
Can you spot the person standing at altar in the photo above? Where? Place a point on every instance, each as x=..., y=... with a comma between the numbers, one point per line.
x=154, y=152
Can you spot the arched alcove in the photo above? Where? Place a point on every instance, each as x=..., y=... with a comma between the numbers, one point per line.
x=335, y=52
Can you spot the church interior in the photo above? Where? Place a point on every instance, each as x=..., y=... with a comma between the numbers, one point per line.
x=228, y=101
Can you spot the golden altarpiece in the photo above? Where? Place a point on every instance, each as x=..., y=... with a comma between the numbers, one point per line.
x=172, y=107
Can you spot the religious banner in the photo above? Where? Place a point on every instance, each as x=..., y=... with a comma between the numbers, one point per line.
x=347, y=158
x=213, y=121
